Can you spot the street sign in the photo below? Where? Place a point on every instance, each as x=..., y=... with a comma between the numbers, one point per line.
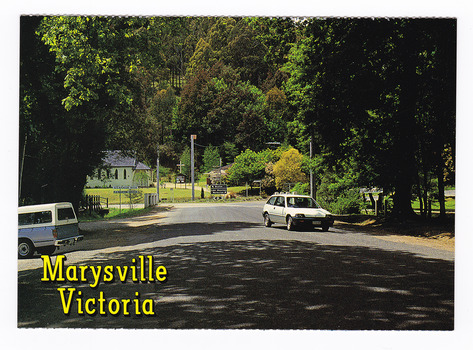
x=218, y=189
x=125, y=189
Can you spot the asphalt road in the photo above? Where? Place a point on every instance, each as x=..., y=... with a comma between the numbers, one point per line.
x=226, y=271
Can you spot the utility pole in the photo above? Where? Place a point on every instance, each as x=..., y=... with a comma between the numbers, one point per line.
x=193, y=137
x=157, y=175
x=311, y=173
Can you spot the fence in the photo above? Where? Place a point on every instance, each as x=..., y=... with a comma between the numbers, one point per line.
x=93, y=203
x=151, y=199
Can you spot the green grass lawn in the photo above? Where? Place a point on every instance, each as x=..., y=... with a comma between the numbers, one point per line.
x=449, y=204
x=178, y=194
x=168, y=194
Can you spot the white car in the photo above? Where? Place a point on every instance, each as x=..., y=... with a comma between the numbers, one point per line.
x=295, y=210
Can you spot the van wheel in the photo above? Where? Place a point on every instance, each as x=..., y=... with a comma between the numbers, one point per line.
x=47, y=250
x=25, y=249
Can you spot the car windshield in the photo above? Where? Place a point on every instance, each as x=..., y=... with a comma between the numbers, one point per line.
x=301, y=202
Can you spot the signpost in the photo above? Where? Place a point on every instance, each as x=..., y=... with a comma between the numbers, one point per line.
x=125, y=189
x=218, y=189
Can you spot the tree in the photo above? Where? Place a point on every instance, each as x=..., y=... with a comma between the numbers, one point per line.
x=210, y=47
x=159, y=125
x=200, y=60
x=248, y=166
x=210, y=159
x=356, y=85
x=288, y=168
x=87, y=94
x=436, y=110
x=218, y=106
x=277, y=34
x=228, y=151
x=60, y=146
x=276, y=114
x=245, y=53
x=186, y=161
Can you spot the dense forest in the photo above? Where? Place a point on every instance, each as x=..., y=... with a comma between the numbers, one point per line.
x=376, y=96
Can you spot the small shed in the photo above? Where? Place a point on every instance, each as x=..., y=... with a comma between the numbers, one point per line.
x=216, y=175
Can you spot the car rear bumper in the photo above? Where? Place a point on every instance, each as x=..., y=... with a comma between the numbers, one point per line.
x=68, y=241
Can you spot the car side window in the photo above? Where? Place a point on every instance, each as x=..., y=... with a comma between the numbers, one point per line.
x=272, y=200
x=40, y=217
x=65, y=214
x=280, y=201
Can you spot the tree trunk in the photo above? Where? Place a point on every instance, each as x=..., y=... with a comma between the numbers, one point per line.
x=419, y=195
x=403, y=154
x=426, y=188
x=402, y=201
x=441, y=186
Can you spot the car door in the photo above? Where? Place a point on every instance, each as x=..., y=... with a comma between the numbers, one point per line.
x=278, y=210
x=270, y=208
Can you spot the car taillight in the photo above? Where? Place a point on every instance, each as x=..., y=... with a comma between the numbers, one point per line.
x=55, y=233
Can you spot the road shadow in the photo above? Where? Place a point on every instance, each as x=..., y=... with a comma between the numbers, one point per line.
x=262, y=284
x=129, y=236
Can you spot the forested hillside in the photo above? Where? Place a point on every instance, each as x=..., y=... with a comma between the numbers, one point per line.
x=377, y=96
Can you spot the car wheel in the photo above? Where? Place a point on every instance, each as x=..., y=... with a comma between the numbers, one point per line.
x=25, y=249
x=290, y=224
x=325, y=227
x=47, y=250
x=267, y=222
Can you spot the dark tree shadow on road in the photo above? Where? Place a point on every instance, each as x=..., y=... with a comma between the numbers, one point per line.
x=263, y=284
x=124, y=236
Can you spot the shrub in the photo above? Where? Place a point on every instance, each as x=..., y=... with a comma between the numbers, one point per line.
x=288, y=168
x=301, y=188
x=339, y=194
x=348, y=202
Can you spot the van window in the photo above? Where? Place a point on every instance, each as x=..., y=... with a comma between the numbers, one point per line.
x=65, y=214
x=40, y=217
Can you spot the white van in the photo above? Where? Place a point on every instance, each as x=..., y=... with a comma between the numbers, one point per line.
x=45, y=227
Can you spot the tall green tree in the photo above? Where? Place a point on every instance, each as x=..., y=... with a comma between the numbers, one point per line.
x=58, y=147
x=277, y=35
x=250, y=165
x=210, y=159
x=89, y=93
x=356, y=85
x=218, y=107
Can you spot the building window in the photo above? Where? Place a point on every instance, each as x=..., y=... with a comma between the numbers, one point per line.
x=124, y=173
x=116, y=174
